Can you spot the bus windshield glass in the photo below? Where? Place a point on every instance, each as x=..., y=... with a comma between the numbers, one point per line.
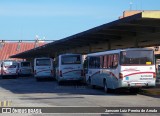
x=25, y=64
x=71, y=59
x=43, y=62
x=137, y=57
x=8, y=63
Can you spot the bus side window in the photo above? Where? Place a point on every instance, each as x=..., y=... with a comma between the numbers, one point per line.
x=90, y=62
x=105, y=61
x=94, y=62
x=110, y=61
x=101, y=61
x=115, y=61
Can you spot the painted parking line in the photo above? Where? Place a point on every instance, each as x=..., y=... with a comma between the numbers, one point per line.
x=5, y=103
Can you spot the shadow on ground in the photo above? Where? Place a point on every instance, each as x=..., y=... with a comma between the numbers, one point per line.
x=27, y=85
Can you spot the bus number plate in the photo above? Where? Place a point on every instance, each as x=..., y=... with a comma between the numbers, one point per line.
x=138, y=84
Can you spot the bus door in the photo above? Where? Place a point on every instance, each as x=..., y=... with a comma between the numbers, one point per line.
x=94, y=70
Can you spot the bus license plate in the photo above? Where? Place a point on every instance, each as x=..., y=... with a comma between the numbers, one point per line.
x=138, y=84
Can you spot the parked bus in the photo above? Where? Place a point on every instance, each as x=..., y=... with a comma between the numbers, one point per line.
x=24, y=68
x=69, y=67
x=125, y=68
x=9, y=68
x=43, y=68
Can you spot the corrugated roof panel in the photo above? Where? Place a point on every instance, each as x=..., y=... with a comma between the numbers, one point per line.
x=5, y=52
x=10, y=48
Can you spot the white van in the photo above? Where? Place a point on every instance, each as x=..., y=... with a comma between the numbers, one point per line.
x=25, y=68
x=43, y=68
x=9, y=68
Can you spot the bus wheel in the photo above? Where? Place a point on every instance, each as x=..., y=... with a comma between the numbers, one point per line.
x=105, y=86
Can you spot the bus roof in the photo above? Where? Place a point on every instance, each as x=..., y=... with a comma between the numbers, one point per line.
x=43, y=58
x=24, y=61
x=9, y=61
x=117, y=51
x=68, y=54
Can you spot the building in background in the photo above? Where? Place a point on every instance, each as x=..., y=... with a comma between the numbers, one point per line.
x=9, y=48
x=130, y=13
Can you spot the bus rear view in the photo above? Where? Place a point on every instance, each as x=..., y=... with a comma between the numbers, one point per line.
x=25, y=68
x=69, y=67
x=9, y=68
x=137, y=68
x=43, y=68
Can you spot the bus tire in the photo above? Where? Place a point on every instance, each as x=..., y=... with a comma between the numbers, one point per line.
x=105, y=86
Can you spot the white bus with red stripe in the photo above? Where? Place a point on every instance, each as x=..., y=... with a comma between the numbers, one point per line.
x=124, y=68
x=43, y=68
x=69, y=67
x=9, y=69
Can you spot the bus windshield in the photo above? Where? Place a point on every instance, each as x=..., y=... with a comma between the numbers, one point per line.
x=71, y=59
x=8, y=63
x=43, y=62
x=137, y=57
x=25, y=64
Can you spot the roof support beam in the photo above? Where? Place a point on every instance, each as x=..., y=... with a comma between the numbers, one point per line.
x=137, y=28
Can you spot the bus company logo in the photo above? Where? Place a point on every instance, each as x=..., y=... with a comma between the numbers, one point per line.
x=127, y=78
x=130, y=69
x=146, y=75
x=6, y=110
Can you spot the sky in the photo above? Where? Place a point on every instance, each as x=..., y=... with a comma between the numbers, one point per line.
x=57, y=19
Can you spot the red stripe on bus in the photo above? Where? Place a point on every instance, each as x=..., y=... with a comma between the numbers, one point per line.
x=71, y=71
x=138, y=73
x=130, y=70
x=113, y=75
x=42, y=71
x=107, y=72
x=95, y=73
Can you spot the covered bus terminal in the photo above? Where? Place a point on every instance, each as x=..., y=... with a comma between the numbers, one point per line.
x=139, y=30
x=136, y=31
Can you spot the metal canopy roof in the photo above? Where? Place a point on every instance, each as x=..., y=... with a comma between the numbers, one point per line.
x=140, y=30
